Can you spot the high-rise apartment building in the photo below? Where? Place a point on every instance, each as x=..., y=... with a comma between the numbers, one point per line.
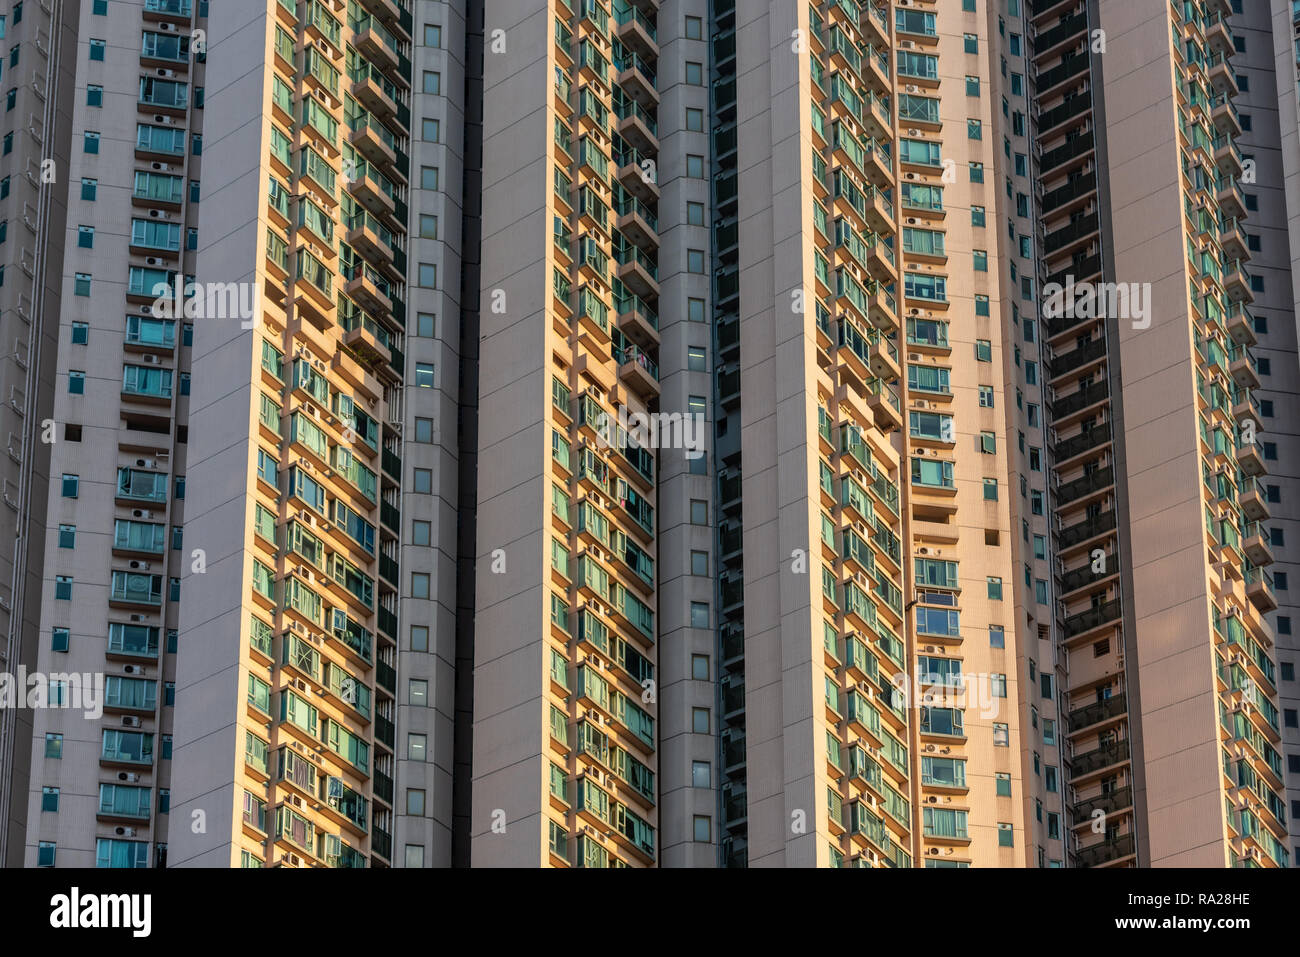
x=682, y=433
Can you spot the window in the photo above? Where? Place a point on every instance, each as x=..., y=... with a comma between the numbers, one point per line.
x=45, y=851
x=977, y=216
x=70, y=485
x=415, y=746
x=695, y=28
x=432, y=83
x=700, y=774
x=695, y=260
x=81, y=284
x=63, y=587
x=67, y=536
x=414, y=855
x=428, y=228
x=995, y=588
x=695, y=214
x=428, y=276
x=997, y=636
x=424, y=375
x=94, y=95
x=696, y=359
x=972, y=86
x=694, y=73
x=429, y=130
x=50, y=800
x=54, y=746
x=699, y=512
x=988, y=443
x=96, y=49
x=419, y=637
x=974, y=130
x=415, y=802
x=703, y=829
x=418, y=693
x=971, y=42
x=432, y=35
x=699, y=614
x=423, y=429
x=1005, y=836
x=981, y=259
x=76, y=382
x=422, y=481
x=700, y=667
x=700, y=720
x=695, y=166
x=88, y=189
x=419, y=585
x=700, y=563
x=59, y=639
x=429, y=177
x=420, y=532
x=990, y=490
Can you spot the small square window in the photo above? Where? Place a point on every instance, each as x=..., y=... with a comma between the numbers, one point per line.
x=695, y=214
x=54, y=746
x=700, y=563
x=419, y=637
x=71, y=484
x=419, y=585
x=94, y=95
x=50, y=800
x=422, y=481
x=432, y=35
x=81, y=284
x=699, y=512
x=703, y=829
x=89, y=187
x=60, y=639
x=418, y=693
x=424, y=325
x=420, y=532
x=45, y=852
x=699, y=614
x=432, y=83
x=1003, y=785
x=694, y=73
x=424, y=375
x=76, y=382
x=700, y=720
x=415, y=747
x=701, y=774
x=428, y=226
x=415, y=802
x=63, y=587
x=429, y=130
x=695, y=28
x=67, y=536
x=700, y=667
x=96, y=49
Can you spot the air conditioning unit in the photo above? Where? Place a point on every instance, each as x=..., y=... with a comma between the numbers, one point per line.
x=169, y=74
x=130, y=777
x=137, y=617
x=130, y=721
x=133, y=669
x=124, y=831
x=145, y=463
x=139, y=566
x=141, y=513
x=149, y=359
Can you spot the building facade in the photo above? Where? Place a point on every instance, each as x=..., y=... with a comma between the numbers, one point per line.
x=683, y=433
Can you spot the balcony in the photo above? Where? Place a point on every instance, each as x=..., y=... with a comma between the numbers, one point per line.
x=1092, y=761
x=1257, y=544
x=1072, y=150
x=1259, y=589
x=1062, y=197
x=1078, y=401
x=1079, y=578
x=1099, y=711
x=1077, y=445
x=1076, y=359
x=1098, y=855
x=1106, y=613
x=638, y=370
x=1084, y=531
x=1117, y=800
